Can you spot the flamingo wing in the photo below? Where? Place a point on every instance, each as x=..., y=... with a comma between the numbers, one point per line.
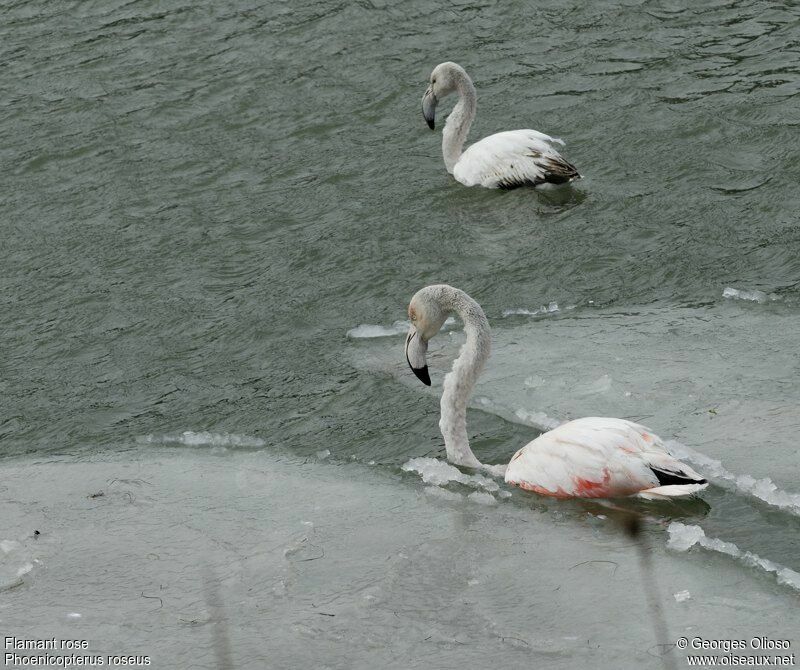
x=514, y=158
x=601, y=458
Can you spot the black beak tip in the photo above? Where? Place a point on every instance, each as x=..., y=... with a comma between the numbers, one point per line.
x=431, y=123
x=422, y=375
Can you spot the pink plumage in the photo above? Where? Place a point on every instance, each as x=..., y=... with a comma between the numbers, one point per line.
x=597, y=457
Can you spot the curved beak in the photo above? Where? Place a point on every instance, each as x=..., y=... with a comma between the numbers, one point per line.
x=416, y=348
x=429, y=108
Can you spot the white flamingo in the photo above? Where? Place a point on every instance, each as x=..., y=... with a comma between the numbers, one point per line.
x=586, y=458
x=503, y=160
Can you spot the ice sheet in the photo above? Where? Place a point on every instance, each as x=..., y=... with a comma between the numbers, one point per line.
x=291, y=562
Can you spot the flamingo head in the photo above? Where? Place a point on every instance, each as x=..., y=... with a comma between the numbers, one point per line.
x=427, y=316
x=443, y=81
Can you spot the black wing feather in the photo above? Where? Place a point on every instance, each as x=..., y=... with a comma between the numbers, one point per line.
x=667, y=478
x=556, y=170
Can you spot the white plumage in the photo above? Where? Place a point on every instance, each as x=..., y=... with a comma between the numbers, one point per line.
x=598, y=457
x=513, y=158
x=503, y=160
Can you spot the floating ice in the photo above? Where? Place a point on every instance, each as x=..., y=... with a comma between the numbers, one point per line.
x=436, y=472
x=754, y=295
x=600, y=385
x=368, y=331
x=550, y=308
x=204, y=438
x=442, y=494
x=322, y=455
x=763, y=489
x=538, y=420
x=16, y=563
x=681, y=536
x=680, y=596
x=7, y=546
x=684, y=536
x=482, y=498
x=534, y=381
x=24, y=570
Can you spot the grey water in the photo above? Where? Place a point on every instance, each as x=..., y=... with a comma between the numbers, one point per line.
x=200, y=200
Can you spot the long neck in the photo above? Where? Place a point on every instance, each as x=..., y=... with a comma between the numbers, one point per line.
x=458, y=384
x=457, y=126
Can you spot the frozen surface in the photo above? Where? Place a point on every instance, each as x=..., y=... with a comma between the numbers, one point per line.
x=681, y=596
x=370, y=331
x=201, y=200
x=764, y=489
x=682, y=537
x=367, y=331
x=435, y=471
x=550, y=308
x=204, y=438
x=716, y=382
x=743, y=294
x=192, y=557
